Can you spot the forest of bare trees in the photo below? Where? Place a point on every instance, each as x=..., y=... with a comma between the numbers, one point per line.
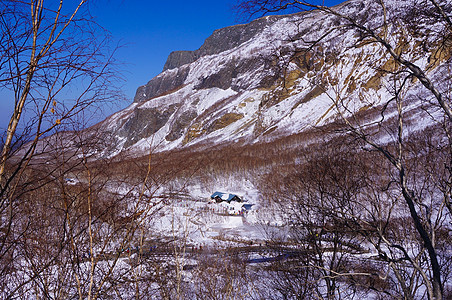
x=409, y=182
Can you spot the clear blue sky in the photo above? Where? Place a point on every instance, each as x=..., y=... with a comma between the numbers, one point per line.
x=148, y=31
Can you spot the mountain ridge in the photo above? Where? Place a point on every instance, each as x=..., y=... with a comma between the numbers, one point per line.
x=220, y=40
x=265, y=81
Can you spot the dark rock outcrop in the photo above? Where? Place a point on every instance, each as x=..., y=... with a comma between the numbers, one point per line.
x=179, y=58
x=221, y=40
x=230, y=37
x=181, y=123
x=227, y=77
x=160, y=85
x=145, y=122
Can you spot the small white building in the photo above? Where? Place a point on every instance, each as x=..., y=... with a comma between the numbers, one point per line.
x=236, y=208
x=232, y=204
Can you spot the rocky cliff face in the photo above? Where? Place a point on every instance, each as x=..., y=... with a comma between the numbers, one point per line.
x=179, y=58
x=221, y=40
x=266, y=79
x=164, y=83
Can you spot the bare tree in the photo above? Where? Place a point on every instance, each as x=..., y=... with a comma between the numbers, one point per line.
x=46, y=50
x=373, y=24
x=57, y=65
x=318, y=200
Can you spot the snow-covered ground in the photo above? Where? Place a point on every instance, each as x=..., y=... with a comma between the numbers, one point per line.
x=203, y=221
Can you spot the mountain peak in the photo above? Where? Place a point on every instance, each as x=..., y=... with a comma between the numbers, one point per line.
x=264, y=80
x=222, y=39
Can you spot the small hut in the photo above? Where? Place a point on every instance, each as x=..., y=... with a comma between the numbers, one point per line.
x=219, y=197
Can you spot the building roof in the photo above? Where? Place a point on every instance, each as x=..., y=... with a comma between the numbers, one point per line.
x=223, y=196
x=247, y=206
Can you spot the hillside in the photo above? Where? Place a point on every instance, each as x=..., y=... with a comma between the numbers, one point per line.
x=268, y=79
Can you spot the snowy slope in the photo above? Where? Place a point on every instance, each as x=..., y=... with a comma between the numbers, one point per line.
x=274, y=83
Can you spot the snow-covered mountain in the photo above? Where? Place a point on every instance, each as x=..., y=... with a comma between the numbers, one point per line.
x=267, y=79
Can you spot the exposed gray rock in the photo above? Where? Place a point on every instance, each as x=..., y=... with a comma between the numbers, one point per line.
x=145, y=122
x=221, y=40
x=161, y=84
x=224, y=79
x=181, y=123
x=179, y=58
x=230, y=37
